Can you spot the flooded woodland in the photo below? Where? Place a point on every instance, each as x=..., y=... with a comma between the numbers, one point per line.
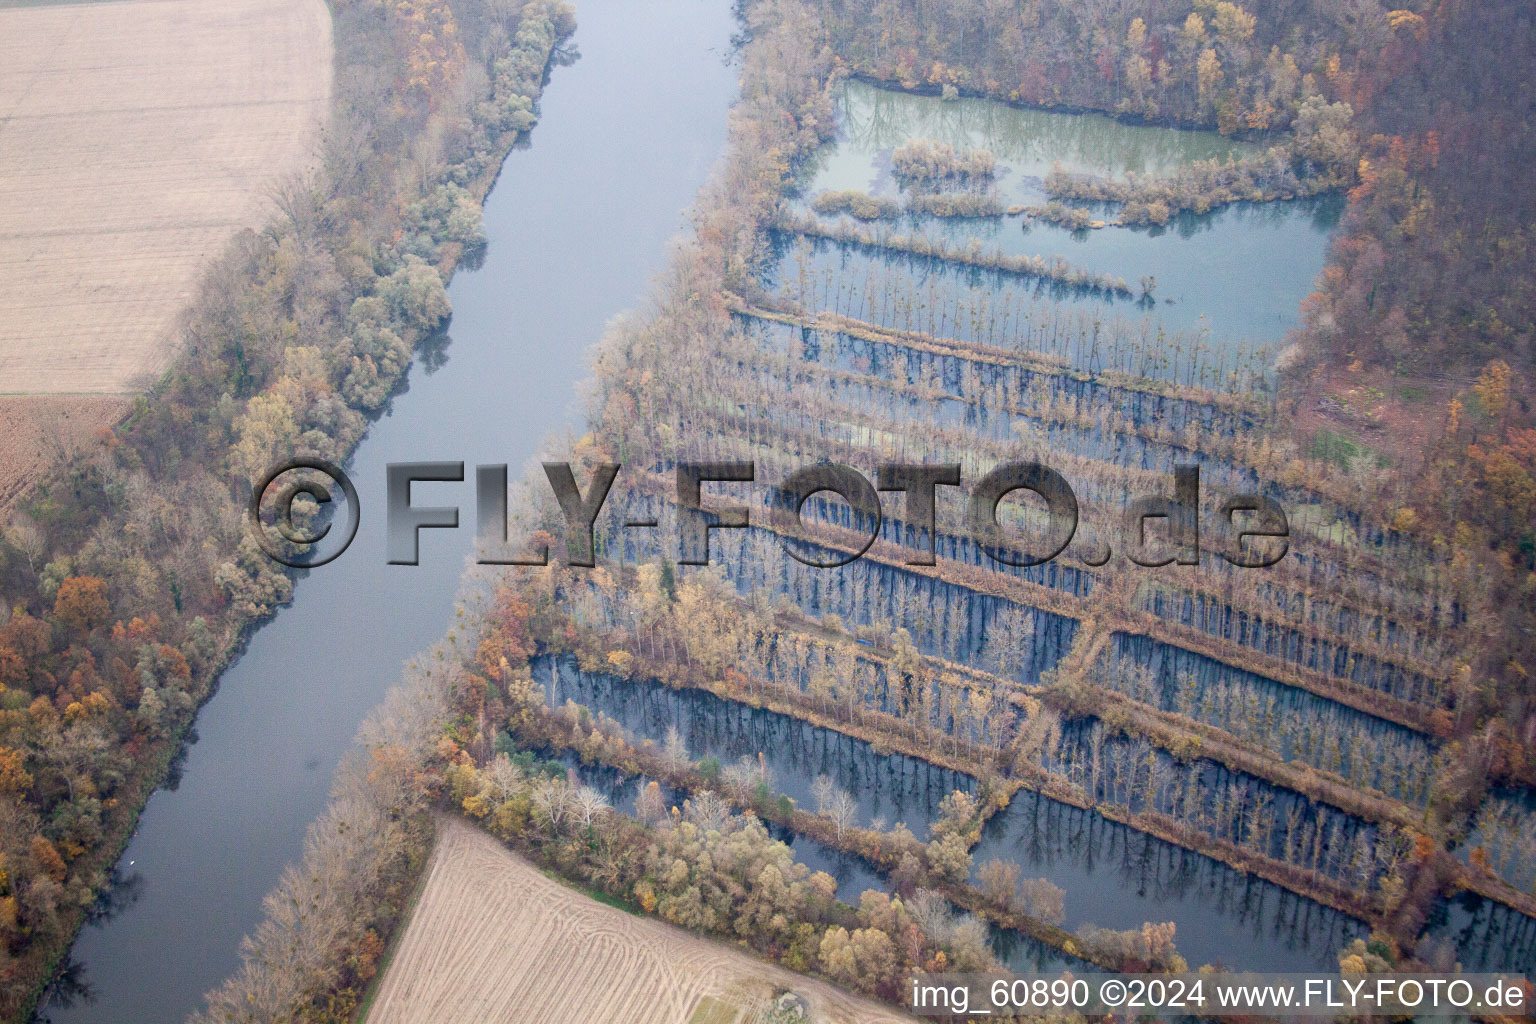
x=990, y=279
x=1246, y=755
x=863, y=738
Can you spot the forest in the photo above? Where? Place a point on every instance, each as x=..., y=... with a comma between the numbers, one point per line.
x=1350, y=733
x=1429, y=294
x=1361, y=625
x=127, y=579
x=1325, y=729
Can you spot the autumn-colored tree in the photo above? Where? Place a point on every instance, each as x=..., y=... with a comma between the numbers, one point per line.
x=1193, y=32
x=999, y=879
x=507, y=640
x=1157, y=940
x=13, y=667
x=27, y=636
x=9, y=913
x=430, y=37
x=14, y=778
x=865, y=959
x=1234, y=26
x=265, y=431
x=91, y=705
x=1507, y=482
x=1492, y=387
x=144, y=630
x=365, y=961
x=82, y=603
x=48, y=859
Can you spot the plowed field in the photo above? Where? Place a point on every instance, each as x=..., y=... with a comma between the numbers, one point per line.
x=492, y=940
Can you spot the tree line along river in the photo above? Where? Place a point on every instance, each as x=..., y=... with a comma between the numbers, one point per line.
x=577, y=224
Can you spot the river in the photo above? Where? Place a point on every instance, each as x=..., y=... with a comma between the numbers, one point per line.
x=579, y=223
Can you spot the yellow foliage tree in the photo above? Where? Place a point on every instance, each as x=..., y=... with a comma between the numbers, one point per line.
x=1492, y=387
x=1234, y=26
x=1209, y=76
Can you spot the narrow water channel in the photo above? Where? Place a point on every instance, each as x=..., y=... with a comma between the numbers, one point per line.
x=578, y=224
x=853, y=874
x=888, y=787
x=1114, y=876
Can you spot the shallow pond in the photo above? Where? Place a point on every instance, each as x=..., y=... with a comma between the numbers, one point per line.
x=1503, y=830
x=892, y=787
x=1235, y=293
x=1114, y=876
x=1294, y=723
x=1238, y=272
x=1485, y=935
x=872, y=121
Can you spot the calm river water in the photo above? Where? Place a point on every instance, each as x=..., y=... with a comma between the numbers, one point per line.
x=578, y=225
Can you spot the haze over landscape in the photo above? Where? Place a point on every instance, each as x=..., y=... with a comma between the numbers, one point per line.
x=1251, y=281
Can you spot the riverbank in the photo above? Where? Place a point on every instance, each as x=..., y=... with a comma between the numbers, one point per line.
x=194, y=602
x=672, y=387
x=554, y=270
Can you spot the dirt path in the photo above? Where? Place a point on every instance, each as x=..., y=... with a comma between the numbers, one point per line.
x=493, y=940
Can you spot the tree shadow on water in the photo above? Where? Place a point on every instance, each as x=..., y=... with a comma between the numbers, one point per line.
x=70, y=987
x=123, y=890
x=178, y=765
x=433, y=351
x=67, y=990
x=472, y=257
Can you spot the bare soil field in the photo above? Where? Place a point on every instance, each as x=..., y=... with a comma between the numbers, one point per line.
x=493, y=940
x=135, y=138
x=36, y=431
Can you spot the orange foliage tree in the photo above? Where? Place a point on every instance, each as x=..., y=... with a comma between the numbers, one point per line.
x=82, y=603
